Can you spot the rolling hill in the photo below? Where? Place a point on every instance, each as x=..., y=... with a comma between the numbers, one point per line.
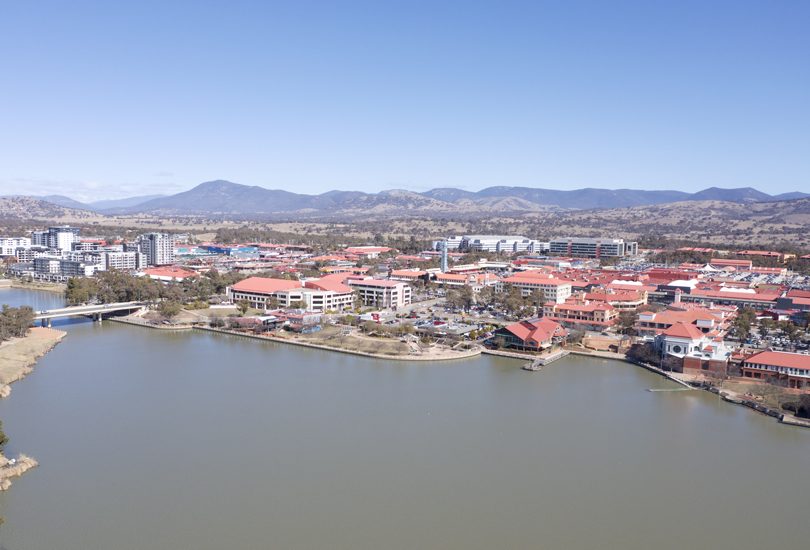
x=224, y=198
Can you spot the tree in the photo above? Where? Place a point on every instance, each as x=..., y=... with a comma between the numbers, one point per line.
x=3, y=437
x=169, y=308
x=15, y=321
x=512, y=300
x=461, y=298
x=243, y=306
x=626, y=322
x=765, y=326
x=803, y=408
x=743, y=322
x=790, y=330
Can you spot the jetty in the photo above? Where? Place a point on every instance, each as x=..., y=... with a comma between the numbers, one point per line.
x=541, y=362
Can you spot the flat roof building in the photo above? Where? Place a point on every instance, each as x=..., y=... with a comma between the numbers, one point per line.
x=582, y=247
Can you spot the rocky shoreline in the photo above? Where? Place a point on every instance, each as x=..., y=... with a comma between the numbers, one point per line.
x=11, y=468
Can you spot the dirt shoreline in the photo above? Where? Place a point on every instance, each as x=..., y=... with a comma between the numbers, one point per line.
x=12, y=468
x=17, y=359
x=43, y=286
x=19, y=355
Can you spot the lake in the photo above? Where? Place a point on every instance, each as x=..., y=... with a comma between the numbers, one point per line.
x=156, y=440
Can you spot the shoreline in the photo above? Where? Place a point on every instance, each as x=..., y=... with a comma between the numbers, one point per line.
x=417, y=358
x=58, y=288
x=726, y=395
x=17, y=359
x=19, y=355
x=14, y=468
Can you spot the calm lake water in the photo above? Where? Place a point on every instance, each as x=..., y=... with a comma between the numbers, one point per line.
x=154, y=440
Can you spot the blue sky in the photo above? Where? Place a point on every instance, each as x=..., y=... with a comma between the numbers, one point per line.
x=111, y=99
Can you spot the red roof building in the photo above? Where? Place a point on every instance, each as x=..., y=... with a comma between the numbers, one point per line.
x=779, y=366
x=265, y=285
x=169, y=273
x=532, y=334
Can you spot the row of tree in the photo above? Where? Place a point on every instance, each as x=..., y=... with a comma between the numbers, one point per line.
x=119, y=286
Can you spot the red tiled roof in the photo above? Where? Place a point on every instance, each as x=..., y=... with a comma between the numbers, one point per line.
x=536, y=331
x=374, y=282
x=367, y=249
x=172, y=271
x=781, y=359
x=584, y=307
x=684, y=330
x=407, y=273
x=451, y=277
x=335, y=283
x=797, y=293
x=265, y=285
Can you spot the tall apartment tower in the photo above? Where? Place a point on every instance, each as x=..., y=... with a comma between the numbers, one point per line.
x=443, y=248
x=62, y=237
x=158, y=247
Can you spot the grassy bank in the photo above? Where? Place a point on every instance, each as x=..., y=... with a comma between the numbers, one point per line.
x=38, y=285
x=18, y=355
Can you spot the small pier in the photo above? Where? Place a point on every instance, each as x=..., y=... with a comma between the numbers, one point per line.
x=541, y=362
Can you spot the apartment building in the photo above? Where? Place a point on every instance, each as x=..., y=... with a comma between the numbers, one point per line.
x=124, y=261
x=9, y=245
x=553, y=290
x=39, y=238
x=62, y=237
x=592, y=248
x=158, y=248
x=381, y=294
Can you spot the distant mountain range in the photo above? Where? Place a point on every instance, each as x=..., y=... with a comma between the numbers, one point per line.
x=98, y=206
x=227, y=199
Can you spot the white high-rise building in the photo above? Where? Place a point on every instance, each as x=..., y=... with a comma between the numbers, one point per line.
x=158, y=247
x=62, y=237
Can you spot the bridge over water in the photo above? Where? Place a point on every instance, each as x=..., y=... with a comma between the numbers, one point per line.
x=96, y=311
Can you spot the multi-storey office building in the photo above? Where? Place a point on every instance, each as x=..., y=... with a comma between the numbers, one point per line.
x=506, y=244
x=592, y=248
